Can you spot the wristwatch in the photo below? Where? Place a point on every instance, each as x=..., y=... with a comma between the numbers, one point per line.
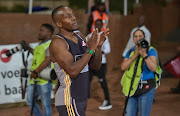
x=35, y=72
x=146, y=57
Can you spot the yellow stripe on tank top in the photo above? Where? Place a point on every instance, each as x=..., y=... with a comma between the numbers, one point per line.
x=70, y=105
x=66, y=94
x=68, y=97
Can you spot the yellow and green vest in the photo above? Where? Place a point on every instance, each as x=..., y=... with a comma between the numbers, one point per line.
x=38, y=58
x=128, y=74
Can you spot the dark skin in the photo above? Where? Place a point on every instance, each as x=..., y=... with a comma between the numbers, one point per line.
x=44, y=35
x=66, y=22
x=141, y=21
x=98, y=25
x=101, y=8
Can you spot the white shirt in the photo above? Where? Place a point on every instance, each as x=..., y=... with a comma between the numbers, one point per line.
x=105, y=48
x=131, y=44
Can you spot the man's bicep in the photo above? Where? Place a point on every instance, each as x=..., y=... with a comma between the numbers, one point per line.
x=63, y=57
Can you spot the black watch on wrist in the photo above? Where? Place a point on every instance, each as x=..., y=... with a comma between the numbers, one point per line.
x=35, y=72
x=146, y=57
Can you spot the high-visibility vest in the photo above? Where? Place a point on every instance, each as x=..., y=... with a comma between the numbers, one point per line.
x=128, y=74
x=38, y=58
x=96, y=15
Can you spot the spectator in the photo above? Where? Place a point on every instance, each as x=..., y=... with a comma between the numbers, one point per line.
x=41, y=60
x=99, y=13
x=101, y=73
x=139, y=78
x=91, y=6
x=141, y=25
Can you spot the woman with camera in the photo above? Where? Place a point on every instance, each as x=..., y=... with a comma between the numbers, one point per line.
x=138, y=81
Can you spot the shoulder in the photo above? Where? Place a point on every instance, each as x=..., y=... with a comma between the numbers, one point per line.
x=129, y=52
x=93, y=12
x=132, y=49
x=145, y=29
x=58, y=42
x=152, y=51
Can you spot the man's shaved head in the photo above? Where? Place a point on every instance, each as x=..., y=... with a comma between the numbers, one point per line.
x=64, y=18
x=55, y=12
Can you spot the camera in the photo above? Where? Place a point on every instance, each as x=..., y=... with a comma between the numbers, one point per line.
x=143, y=43
x=22, y=45
x=47, y=74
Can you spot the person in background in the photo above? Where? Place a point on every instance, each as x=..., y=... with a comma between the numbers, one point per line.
x=91, y=6
x=98, y=13
x=101, y=73
x=41, y=60
x=141, y=25
x=140, y=65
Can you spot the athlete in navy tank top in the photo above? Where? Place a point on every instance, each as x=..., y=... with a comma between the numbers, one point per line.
x=80, y=85
x=71, y=58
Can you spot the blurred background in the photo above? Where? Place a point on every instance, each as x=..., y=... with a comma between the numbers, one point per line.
x=18, y=23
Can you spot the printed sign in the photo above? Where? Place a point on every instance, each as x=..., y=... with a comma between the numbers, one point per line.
x=10, y=85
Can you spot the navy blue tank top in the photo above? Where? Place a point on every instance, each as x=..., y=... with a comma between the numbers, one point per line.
x=80, y=89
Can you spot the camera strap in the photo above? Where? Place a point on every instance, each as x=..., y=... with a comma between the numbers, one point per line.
x=132, y=82
x=25, y=63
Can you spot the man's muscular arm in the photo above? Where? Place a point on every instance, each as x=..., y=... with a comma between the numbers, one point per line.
x=42, y=66
x=95, y=62
x=60, y=54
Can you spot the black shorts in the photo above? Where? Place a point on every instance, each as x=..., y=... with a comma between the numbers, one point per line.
x=74, y=109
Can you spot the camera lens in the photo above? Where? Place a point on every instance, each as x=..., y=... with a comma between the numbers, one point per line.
x=22, y=45
x=143, y=43
x=13, y=50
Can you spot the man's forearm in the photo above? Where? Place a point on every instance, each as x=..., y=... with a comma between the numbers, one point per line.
x=95, y=62
x=43, y=65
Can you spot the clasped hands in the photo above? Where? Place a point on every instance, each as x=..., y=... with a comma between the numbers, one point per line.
x=96, y=40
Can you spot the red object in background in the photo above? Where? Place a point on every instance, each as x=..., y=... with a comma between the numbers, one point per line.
x=174, y=67
x=4, y=59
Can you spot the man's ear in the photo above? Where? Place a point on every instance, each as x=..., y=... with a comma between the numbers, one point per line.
x=59, y=24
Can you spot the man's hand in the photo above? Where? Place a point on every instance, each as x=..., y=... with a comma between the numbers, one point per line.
x=29, y=47
x=93, y=41
x=33, y=75
x=103, y=37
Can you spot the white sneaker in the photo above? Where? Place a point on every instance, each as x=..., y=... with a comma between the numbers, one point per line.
x=106, y=105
